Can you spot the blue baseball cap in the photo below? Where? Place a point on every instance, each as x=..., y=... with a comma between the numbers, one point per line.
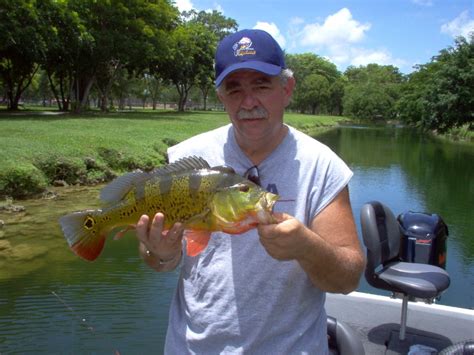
x=248, y=49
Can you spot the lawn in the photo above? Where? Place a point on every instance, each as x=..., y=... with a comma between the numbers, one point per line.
x=40, y=148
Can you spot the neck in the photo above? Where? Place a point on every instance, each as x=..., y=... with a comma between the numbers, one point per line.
x=259, y=149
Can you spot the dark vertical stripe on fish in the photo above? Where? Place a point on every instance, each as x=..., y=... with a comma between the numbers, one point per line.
x=165, y=185
x=195, y=181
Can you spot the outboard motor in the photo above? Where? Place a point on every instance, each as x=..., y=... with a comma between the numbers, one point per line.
x=424, y=238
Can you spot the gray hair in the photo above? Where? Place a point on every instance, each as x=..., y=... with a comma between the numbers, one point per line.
x=284, y=76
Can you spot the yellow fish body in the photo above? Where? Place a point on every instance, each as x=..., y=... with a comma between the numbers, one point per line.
x=189, y=191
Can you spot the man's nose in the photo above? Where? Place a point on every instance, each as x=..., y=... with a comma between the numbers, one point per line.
x=249, y=101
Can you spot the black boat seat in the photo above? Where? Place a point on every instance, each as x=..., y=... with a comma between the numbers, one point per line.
x=342, y=339
x=417, y=280
x=382, y=237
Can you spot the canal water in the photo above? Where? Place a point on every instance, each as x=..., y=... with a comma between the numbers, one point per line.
x=53, y=302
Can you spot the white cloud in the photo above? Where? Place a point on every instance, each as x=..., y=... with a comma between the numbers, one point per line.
x=339, y=38
x=272, y=29
x=340, y=28
x=216, y=7
x=460, y=26
x=423, y=2
x=295, y=21
x=184, y=5
x=380, y=56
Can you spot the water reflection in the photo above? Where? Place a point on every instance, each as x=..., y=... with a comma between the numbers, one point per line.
x=408, y=171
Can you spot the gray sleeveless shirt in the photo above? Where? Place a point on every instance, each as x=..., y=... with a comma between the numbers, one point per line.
x=234, y=298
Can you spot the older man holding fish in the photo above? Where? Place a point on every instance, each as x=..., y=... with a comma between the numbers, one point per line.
x=262, y=291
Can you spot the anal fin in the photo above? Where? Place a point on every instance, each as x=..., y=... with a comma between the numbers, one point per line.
x=196, y=241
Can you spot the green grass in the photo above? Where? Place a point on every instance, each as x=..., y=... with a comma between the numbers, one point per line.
x=37, y=148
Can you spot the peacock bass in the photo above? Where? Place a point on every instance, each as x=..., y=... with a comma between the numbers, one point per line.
x=189, y=191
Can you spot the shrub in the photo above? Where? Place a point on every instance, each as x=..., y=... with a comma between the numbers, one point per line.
x=22, y=181
x=70, y=170
x=119, y=161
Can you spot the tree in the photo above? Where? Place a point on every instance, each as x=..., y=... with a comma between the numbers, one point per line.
x=213, y=21
x=336, y=95
x=367, y=101
x=67, y=39
x=21, y=47
x=440, y=94
x=126, y=34
x=190, y=53
x=308, y=65
x=451, y=93
x=372, y=91
x=314, y=92
x=220, y=26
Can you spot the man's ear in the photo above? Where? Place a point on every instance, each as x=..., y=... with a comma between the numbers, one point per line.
x=219, y=95
x=289, y=87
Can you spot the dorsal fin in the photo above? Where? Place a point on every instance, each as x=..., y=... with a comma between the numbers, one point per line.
x=182, y=165
x=224, y=169
x=124, y=187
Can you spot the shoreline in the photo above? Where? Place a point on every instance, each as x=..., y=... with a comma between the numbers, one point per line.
x=42, y=151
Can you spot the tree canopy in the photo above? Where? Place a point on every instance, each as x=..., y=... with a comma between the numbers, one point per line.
x=440, y=94
x=372, y=91
x=147, y=49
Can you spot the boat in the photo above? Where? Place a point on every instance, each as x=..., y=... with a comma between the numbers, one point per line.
x=406, y=256
x=374, y=322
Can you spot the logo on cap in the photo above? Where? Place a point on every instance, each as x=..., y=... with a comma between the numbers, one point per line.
x=243, y=47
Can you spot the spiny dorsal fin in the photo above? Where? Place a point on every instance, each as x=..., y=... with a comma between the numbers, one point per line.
x=224, y=169
x=182, y=165
x=127, y=186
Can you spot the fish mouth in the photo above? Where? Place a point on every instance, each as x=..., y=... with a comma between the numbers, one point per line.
x=267, y=203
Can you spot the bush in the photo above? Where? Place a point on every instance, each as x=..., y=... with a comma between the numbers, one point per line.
x=119, y=161
x=22, y=182
x=72, y=171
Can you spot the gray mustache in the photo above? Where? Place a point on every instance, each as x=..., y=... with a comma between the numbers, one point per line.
x=258, y=112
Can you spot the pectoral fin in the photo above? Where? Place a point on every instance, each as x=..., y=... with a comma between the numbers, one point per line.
x=122, y=232
x=196, y=241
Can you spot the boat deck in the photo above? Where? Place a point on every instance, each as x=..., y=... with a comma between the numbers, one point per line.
x=376, y=319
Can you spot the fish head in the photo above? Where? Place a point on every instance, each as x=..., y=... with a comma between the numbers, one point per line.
x=84, y=233
x=240, y=207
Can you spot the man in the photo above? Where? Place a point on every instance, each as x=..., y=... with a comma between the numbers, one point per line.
x=262, y=292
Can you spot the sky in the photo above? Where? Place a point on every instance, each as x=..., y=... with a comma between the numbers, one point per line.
x=402, y=33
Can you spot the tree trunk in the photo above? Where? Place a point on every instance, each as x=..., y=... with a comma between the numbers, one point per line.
x=82, y=93
x=14, y=98
x=205, y=92
x=53, y=89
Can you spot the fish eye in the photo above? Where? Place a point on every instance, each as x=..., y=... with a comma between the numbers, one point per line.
x=89, y=222
x=244, y=188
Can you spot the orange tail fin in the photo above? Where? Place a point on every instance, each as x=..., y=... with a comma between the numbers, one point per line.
x=196, y=241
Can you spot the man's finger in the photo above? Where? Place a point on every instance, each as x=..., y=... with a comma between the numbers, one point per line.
x=174, y=233
x=156, y=227
x=142, y=228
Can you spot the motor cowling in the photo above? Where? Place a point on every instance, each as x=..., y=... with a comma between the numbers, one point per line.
x=424, y=238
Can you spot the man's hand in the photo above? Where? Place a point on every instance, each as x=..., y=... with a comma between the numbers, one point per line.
x=328, y=250
x=159, y=248
x=283, y=240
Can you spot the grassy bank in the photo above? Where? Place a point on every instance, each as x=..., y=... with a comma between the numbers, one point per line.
x=40, y=149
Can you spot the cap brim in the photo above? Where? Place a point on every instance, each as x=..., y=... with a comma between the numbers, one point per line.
x=269, y=69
